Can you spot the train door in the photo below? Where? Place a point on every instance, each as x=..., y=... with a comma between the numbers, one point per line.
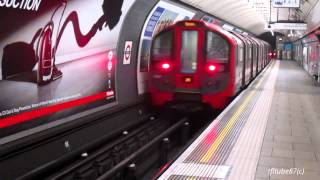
x=241, y=59
x=249, y=62
x=254, y=59
x=267, y=55
x=246, y=62
x=188, y=59
x=260, y=57
x=239, y=62
x=251, y=47
x=263, y=55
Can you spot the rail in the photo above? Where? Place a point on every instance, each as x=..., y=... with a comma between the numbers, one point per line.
x=124, y=163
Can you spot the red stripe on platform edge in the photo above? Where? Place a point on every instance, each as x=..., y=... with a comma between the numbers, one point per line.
x=27, y=116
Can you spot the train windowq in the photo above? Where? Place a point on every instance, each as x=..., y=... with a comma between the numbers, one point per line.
x=162, y=46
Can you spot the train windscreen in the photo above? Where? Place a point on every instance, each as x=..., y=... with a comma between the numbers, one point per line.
x=162, y=46
x=188, y=53
x=217, y=48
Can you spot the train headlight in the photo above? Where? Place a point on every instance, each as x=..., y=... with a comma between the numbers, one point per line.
x=211, y=68
x=165, y=66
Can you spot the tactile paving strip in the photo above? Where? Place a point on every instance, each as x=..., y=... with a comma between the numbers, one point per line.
x=245, y=154
x=216, y=146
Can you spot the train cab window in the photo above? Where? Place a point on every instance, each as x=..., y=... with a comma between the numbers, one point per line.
x=217, y=48
x=189, y=50
x=162, y=46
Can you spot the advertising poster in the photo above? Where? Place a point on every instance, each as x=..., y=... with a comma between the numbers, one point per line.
x=161, y=16
x=212, y=20
x=57, y=58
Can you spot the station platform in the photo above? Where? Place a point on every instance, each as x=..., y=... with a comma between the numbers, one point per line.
x=270, y=131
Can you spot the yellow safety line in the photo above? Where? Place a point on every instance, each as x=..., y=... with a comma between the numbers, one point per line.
x=191, y=178
x=227, y=128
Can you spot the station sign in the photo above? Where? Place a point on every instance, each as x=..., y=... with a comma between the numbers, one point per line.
x=286, y=3
x=127, y=52
x=289, y=26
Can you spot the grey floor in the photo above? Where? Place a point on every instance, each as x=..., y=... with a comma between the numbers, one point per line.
x=292, y=137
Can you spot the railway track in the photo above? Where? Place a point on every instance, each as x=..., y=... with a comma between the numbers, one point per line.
x=132, y=152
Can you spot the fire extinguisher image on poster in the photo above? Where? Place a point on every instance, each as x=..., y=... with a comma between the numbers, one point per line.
x=48, y=55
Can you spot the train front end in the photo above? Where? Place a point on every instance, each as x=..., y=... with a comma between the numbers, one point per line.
x=190, y=62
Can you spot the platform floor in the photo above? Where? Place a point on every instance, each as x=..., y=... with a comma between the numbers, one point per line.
x=270, y=131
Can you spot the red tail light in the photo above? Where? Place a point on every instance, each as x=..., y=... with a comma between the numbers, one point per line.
x=270, y=54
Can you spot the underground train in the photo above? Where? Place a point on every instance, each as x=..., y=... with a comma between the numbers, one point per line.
x=195, y=61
